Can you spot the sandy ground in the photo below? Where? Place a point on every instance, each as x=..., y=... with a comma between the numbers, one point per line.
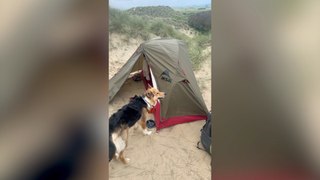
x=120, y=50
x=170, y=153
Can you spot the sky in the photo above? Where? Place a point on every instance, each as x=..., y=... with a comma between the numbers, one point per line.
x=126, y=4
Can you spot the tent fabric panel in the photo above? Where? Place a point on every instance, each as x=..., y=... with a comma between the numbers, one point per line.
x=164, y=54
x=186, y=68
x=138, y=65
x=121, y=76
x=179, y=120
x=157, y=116
x=180, y=101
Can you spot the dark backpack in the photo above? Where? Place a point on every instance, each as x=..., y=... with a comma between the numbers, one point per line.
x=205, y=137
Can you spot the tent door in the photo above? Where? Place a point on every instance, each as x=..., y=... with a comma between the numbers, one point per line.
x=145, y=73
x=148, y=78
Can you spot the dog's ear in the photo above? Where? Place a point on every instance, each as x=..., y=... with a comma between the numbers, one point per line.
x=149, y=86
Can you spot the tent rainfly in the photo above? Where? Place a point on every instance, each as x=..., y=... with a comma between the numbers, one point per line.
x=165, y=65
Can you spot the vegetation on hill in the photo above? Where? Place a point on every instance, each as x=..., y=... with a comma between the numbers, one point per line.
x=201, y=21
x=153, y=11
x=140, y=22
x=164, y=13
x=122, y=22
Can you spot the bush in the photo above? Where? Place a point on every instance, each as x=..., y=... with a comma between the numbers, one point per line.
x=118, y=21
x=196, y=54
x=138, y=28
x=123, y=23
x=203, y=40
x=201, y=21
x=161, y=29
x=195, y=57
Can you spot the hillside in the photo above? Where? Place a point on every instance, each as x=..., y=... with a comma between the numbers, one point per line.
x=163, y=13
x=161, y=21
x=153, y=11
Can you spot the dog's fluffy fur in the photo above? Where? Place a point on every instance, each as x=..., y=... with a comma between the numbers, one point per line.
x=126, y=117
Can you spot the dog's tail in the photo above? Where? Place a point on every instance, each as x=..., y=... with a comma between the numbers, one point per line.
x=112, y=149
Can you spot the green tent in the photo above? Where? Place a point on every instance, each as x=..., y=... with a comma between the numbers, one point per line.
x=165, y=65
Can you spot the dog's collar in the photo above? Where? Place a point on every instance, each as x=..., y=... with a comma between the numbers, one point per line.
x=150, y=106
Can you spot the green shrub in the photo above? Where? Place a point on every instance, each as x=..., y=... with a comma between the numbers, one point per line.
x=161, y=29
x=203, y=40
x=196, y=55
x=119, y=21
x=201, y=21
x=138, y=28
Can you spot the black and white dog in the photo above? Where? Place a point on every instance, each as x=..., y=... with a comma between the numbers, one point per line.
x=127, y=116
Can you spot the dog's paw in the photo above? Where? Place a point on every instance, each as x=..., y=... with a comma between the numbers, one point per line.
x=117, y=155
x=125, y=160
x=146, y=132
